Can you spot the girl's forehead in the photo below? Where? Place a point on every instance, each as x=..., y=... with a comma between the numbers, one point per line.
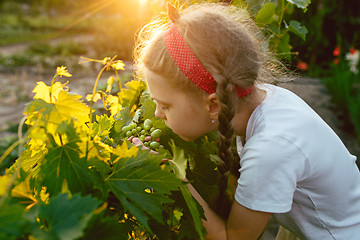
x=163, y=91
x=159, y=88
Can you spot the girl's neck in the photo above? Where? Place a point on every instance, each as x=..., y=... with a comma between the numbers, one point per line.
x=244, y=109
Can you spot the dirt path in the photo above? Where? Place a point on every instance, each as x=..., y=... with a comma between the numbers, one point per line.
x=16, y=90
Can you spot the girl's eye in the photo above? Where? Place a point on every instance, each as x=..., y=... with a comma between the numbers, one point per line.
x=164, y=108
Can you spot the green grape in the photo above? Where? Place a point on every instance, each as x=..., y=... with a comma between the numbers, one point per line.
x=133, y=125
x=152, y=129
x=146, y=144
x=161, y=147
x=156, y=133
x=142, y=138
x=138, y=129
x=154, y=145
x=134, y=131
x=129, y=133
x=148, y=124
x=125, y=129
x=143, y=132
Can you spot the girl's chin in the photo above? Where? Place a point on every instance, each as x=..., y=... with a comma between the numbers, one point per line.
x=187, y=139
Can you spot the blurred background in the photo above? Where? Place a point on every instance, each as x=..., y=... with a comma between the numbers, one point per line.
x=36, y=36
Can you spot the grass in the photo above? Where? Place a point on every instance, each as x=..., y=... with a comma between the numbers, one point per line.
x=343, y=86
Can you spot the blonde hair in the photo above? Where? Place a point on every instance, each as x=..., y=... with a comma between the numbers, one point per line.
x=230, y=46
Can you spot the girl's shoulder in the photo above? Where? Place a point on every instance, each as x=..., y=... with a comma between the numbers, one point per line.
x=281, y=112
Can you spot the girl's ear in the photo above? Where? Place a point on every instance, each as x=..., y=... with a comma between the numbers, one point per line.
x=213, y=106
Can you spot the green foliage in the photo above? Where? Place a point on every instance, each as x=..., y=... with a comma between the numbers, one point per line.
x=65, y=218
x=275, y=18
x=12, y=221
x=343, y=86
x=82, y=179
x=5, y=143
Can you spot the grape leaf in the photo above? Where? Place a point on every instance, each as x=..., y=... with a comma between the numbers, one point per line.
x=4, y=181
x=42, y=91
x=106, y=228
x=142, y=186
x=283, y=47
x=148, y=107
x=50, y=115
x=122, y=151
x=102, y=125
x=131, y=93
x=298, y=29
x=204, y=175
x=300, y=3
x=63, y=163
x=12, y=221
x=196, y=214
x=114, y=103
x=266, y=14
x=179, y=162
x=66, y=218
x=254, y=5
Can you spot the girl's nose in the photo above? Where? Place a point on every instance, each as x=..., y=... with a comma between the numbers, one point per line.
x=159, y=113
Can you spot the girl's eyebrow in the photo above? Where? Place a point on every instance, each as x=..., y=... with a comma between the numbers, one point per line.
x=162, y=102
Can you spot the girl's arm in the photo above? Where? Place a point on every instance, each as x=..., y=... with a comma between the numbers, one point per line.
x=243, y=223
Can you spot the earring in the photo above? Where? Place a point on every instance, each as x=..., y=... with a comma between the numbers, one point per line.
x=213, y=121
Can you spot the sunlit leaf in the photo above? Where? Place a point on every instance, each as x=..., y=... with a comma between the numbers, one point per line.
x=62, y=71
x=42, y=91
x=23, y=192
x=70, y=106
x=109, y=84
x=4, y=181
x=123, y=151
x=118, y=65
x=104, y=123
x=97, y=97
x=115, y=104
x=51, y=115
x=38, y=139
x=179, y=162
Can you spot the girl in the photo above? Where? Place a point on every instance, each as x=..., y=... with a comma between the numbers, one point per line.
x=207, y=71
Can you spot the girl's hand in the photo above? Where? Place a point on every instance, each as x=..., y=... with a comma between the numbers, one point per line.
x=137, y=142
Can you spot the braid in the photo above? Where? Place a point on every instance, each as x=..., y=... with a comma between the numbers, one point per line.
x=225, y=93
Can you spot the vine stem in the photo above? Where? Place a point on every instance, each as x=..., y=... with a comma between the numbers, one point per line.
x=107, y=65
x=51, y=86
x=117, y=76
x=19, y=143
x=283, y=9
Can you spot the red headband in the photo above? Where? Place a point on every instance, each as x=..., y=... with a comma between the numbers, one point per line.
x=190, y=65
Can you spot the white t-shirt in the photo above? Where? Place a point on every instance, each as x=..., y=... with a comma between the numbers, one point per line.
x=295, y=166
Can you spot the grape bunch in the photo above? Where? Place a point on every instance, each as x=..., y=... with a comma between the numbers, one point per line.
x=147, y=134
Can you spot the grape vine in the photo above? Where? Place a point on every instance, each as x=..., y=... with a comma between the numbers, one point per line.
x=79, y=178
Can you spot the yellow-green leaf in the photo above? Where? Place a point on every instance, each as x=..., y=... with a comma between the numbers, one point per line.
x=124, y=152
x=42, y=91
